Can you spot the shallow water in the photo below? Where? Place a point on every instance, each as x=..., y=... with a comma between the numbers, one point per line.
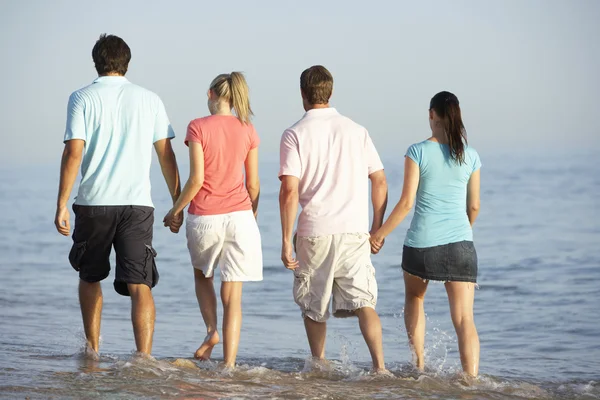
x=537, y=308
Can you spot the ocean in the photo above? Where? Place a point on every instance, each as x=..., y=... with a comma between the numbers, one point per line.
x=537, y=308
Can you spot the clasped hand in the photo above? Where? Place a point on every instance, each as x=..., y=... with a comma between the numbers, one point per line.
x=173, y=221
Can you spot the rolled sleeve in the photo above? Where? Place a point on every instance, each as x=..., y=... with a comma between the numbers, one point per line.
x=414, y=154
x=193, y=133
x=373, y=159
x=75, y=128
x=476, y=162
x=162, y=126
x=289, y=155
x=254, y=139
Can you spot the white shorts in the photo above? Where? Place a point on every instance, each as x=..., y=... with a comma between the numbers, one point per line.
x=228, y=241
x=338, y=265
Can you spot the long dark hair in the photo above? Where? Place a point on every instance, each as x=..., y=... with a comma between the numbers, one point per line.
x=446, y=106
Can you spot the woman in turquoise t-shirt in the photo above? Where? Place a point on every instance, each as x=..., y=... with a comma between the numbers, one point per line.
x=442, y=174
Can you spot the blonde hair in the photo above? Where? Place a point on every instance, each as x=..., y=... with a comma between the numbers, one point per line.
x=233, y=89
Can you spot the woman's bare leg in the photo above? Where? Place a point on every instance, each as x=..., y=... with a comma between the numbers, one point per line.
x=207, y=300
x=231, y=296
x=414, y=316
x=461, y=296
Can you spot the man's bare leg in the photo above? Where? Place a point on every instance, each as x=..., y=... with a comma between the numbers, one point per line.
x=90, y=300
x=370, y=326
x=143, y=316
x=316, y=333
x=231, y=296
x=207, y=301
x=414, y=316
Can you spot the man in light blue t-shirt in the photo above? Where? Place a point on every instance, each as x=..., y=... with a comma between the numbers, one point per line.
x=112, y=126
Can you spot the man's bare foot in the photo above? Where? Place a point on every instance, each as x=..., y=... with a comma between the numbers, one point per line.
x=205, y=349
x=90, y=353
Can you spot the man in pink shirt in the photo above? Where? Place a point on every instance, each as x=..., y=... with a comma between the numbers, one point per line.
x=325, y=160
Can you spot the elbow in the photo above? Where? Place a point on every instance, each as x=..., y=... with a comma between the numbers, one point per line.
x=72, y=157
x=406, y=204
x=474, y=207
x=253, y=186
x=287, y=196
x=196, y=182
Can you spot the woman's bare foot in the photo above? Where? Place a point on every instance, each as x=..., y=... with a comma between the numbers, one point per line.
x=205, y=349
x=382, y=372
x=91, y=354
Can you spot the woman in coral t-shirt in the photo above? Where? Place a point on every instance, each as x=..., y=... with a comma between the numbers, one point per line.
x=221, y=226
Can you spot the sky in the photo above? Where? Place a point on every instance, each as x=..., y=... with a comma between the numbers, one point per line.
x=525, y=71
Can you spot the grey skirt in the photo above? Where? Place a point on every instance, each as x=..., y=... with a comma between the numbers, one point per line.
x=448, y=262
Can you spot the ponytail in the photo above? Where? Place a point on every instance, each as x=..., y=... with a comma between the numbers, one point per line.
x=240, y=97
x=233, y=89
x=446, y=106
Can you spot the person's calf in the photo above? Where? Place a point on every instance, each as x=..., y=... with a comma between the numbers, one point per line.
x=316, y=333
x=143, y=316
x=90, y=300
x=370, y=327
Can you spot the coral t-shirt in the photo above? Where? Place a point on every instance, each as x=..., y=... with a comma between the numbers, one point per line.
x=226, y=142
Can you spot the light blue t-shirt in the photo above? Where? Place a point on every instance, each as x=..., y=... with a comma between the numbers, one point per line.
x=119, y=122
x=441, y=207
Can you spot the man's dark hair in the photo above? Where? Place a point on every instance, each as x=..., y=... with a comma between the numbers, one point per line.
x=316, y=84
x=111, y=55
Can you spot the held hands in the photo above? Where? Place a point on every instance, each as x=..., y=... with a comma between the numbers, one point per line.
x=173, y=221
x=377, y=241
x=61, y=221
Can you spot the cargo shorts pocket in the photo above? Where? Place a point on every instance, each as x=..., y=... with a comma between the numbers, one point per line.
x=76, y=255
x=150, y=267
x=302, y=289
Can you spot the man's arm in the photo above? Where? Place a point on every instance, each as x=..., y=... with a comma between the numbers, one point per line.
x=69, y=167
x=252, y=179
x=379, y=198
x=288, y=207
x=168, y=166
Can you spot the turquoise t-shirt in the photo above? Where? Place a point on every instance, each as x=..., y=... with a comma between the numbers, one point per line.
x=119, y=122
x=441, y=207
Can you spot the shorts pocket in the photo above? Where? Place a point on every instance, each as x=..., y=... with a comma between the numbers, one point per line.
x=150, y=267
x=76, y=254
x=302, y=289
x=371, y=283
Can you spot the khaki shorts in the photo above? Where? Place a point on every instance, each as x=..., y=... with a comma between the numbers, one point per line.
x=338, y=265
x=230, y=242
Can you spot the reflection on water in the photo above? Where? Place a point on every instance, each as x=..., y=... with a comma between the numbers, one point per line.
x=536, y=309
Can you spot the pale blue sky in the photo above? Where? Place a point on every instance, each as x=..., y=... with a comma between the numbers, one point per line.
x=526, y=71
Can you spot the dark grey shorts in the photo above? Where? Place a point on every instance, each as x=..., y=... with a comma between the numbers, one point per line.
x=448, y=262
x=129, y=230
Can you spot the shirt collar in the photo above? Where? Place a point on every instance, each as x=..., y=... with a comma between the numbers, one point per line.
x=110, y=79
x=322, y=111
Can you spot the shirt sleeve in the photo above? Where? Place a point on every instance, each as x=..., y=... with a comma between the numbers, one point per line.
x=373, y=160
x=476, y=162
x=289, y=155
x=193, y=134
x=162, y=126
x=254, y=139
x=414, y=154
x=75, y=119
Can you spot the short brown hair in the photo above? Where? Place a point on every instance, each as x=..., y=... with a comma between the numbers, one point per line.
x=316, y=84
x=111, y=54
